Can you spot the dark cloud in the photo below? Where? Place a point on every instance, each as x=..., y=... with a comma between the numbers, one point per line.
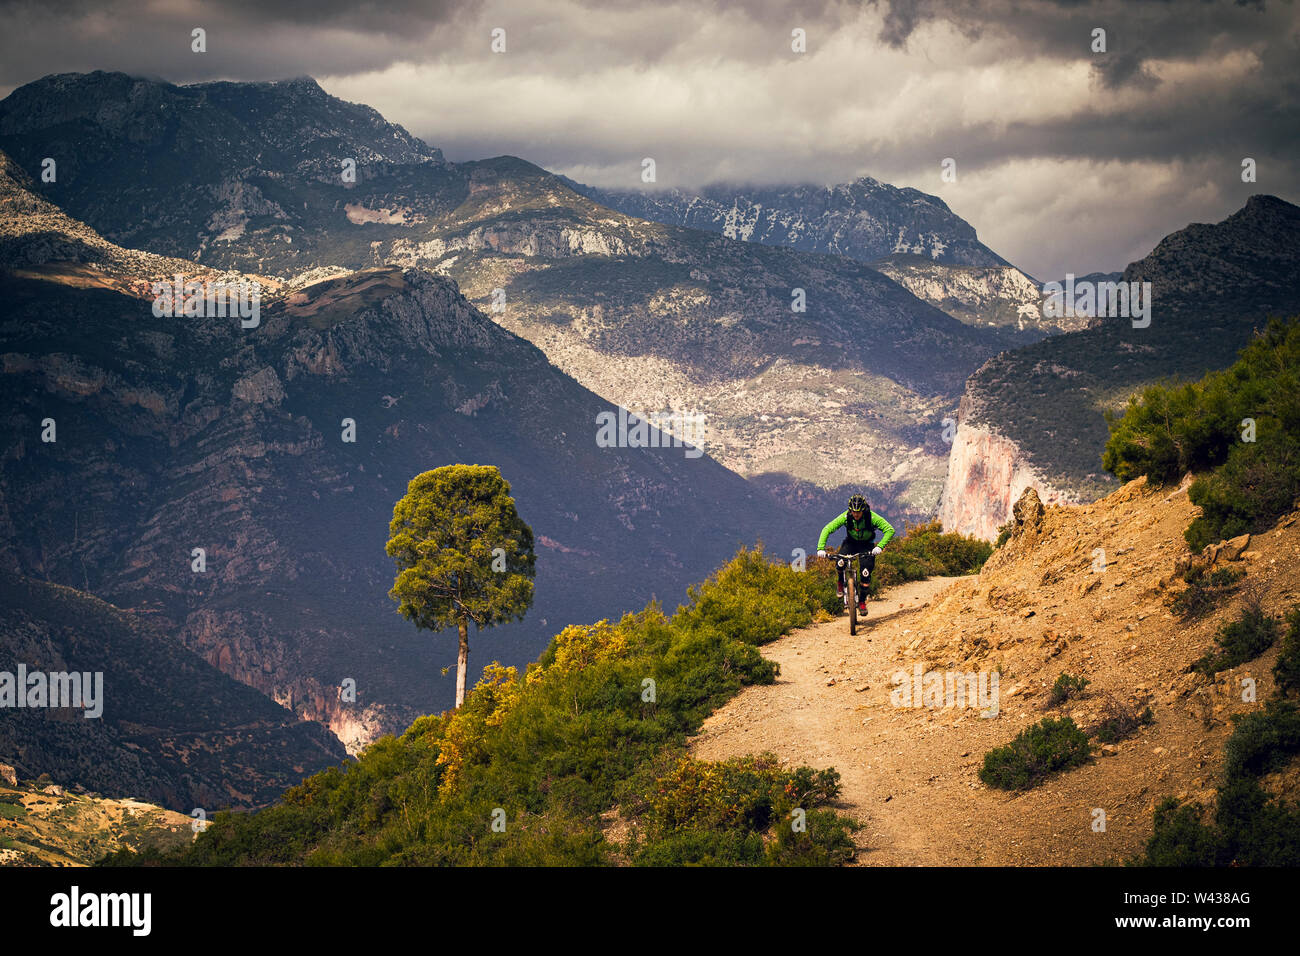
x=1137, y=30
x=385, y=17
x=1124, y=69
x=1065, y=154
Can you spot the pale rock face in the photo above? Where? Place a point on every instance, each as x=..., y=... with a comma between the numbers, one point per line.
x=987, y=473
x=261, y=388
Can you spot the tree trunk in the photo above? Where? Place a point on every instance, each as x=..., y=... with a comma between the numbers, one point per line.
x=462, y=664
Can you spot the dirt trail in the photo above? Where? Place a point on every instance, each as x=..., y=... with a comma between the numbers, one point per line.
x=908, y=774
x=1040, y=607
x=831, y=707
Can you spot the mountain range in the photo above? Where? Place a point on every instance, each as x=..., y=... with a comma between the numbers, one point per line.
x=910, y=236
x=815, y=372
x=489, y=312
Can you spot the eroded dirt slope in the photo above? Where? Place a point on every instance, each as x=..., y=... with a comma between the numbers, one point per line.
x=1042, y=605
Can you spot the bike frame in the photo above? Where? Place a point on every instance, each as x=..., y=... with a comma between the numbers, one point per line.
x=852, y=564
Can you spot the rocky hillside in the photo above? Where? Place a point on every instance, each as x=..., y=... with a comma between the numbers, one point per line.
x=44, y=824
x=1043, y=605
x=850, y=391
x=1039, y=410
x=999, y=297
x=908, y=235
x=38, y=239
x=230, y=143
x=173, y=730
x=865, y=219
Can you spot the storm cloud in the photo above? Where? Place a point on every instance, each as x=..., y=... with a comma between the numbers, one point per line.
x=1067, y=159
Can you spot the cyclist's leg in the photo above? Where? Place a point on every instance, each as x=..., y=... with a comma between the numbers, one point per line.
x=868, y=566
x=851, y=547
x=862, y=551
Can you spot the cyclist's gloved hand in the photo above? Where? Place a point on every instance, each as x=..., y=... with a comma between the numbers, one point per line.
x=876, y=550
x=821, y=554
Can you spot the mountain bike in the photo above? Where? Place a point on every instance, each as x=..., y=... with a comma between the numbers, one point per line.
x=852, y=565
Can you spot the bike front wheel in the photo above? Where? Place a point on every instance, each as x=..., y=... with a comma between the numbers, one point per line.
x=853, y=604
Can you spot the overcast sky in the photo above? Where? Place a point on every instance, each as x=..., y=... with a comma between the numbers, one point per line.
x=1066, y=159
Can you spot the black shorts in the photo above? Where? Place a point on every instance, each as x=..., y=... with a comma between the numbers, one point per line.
x=852, y=546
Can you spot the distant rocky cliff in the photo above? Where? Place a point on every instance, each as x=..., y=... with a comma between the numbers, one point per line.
x=987, y=473
x=1212, y=287
x=170, y=728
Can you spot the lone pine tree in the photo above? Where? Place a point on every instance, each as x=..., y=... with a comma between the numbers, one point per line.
x=463, y=554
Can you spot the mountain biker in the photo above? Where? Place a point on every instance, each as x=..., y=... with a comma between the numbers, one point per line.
x=860, y=524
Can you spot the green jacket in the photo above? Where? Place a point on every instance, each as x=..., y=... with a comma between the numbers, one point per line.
x=865, y=531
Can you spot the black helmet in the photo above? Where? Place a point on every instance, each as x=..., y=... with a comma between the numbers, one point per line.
x=857, y=503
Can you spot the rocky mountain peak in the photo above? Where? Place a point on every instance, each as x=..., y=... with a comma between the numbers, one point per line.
x=864, y=219
x=1252, y=256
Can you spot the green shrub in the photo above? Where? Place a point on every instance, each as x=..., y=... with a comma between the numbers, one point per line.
x=712, y=813
x=740, y=793
x=1239, y=641
x=755, y=600
x=1048, y=747
x=1066, y=686
x=703, y=848
x=924, y=551
x=1256, y=829
x=1251, y=827
x=1205, y=589
x=1263, y=741
x=149, y=856
x=1181, y=838
x=1164, y=433
x=1287, y=669
x=1004, y=532
x=1242, y=484
x=825, y=841
x=563, y=744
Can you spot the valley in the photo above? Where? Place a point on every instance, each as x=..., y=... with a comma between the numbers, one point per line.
x=245, y=315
